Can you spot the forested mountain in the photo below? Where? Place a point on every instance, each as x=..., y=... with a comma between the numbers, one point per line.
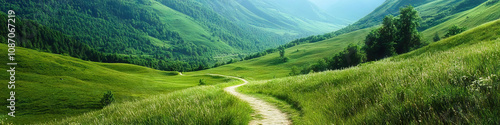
x=351, y=10
x=432, y=12
x=189, y=30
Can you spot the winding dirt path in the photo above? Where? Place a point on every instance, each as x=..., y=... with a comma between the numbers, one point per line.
x=270, y=115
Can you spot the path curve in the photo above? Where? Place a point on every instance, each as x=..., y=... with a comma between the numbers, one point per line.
x=269, y=113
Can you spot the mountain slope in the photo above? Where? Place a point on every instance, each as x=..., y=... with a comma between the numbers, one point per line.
x=433, y=12
x=453, y=81
x=352, y=10
x=188, y=30
x=270, y=66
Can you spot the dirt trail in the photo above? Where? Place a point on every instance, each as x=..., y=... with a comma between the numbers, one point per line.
x=269, y=114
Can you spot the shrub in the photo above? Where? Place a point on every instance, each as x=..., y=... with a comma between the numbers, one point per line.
x=202, y=82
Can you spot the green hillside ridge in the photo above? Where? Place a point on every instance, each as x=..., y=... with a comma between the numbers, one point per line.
x=186, y=30
x=197, y=105
x=51, y=86
x=457, y=75
x=270, y=66
x=453, y=81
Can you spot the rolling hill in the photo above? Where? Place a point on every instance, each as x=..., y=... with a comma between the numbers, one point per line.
x=187, y=30
x=270, y=66
x=457, y=75
x=452, y=81
x=52, y=86
x=348, y=9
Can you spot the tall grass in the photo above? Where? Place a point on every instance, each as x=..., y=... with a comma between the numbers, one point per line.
x=203, y=105
x=52, y=86
x=454, y=81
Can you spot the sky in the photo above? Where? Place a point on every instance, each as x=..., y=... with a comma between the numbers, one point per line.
x=348, y=9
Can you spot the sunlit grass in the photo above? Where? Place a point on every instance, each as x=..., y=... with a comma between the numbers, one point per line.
x=454, y=81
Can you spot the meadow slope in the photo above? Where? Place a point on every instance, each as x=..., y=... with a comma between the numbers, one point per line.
x=202, y=105
x=453, y=81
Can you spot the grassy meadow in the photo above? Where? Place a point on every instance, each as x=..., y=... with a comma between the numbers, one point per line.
x=453, y=81
x=51, y=86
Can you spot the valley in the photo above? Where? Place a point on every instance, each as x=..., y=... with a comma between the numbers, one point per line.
x=451, y=79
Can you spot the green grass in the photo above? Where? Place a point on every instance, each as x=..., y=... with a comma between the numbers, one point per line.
x=270, y=66
x=201, y=105
x=471, y=18
x=453, y=81
x=50, y=86
x=55, y=89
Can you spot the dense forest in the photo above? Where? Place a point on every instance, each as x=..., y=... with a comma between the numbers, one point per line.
x=137, y=28
x=35, y=36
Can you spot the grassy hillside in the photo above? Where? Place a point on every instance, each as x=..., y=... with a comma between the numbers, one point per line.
x=433, y=12
x=453, y=81
x=50, y=86
x=270, y=66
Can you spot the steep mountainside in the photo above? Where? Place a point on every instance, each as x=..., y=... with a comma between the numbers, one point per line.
x=433, y=12
x=309, y=50
x=352, y=10
x=176, y=29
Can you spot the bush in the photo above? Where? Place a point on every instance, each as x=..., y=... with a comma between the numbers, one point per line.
x=107, y=98
x=454, y=30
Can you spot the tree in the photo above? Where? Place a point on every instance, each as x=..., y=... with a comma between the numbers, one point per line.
x=282, y=52
x=454, y=30
x=436, y=37
x=320, y=66
x=408, y=22
x=388, y=37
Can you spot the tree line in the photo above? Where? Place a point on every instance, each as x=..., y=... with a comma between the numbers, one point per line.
x=36, y=36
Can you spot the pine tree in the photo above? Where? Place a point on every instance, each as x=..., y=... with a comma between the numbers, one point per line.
x=408, y=33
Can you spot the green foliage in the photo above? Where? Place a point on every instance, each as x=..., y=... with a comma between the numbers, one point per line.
x=198, y=105
x=396, y=36
x=436, y=37
x=282, y=52
x=107, y=98
x=408, y=35
x=454, y=30
x=76, y=86
x=154, y=34
x=294, y=71
x=285, y=59
x=351, y=56
x=202, y=82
